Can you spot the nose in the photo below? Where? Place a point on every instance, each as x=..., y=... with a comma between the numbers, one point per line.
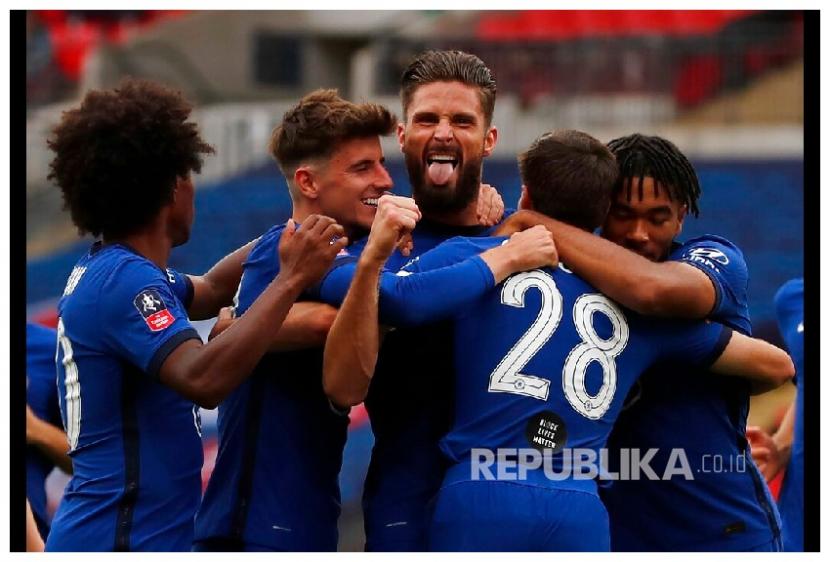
x=383, y=180
x=443, y=131
x=638, y=232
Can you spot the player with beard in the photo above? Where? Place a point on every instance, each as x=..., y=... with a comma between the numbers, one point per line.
x=330, y=154
x=642, y=266
x=448, y=99
x=540, y=327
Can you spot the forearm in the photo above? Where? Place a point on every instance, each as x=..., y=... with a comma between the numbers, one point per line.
x=217, y=287
x=352, y=346
x=52, y=441
x=208, y=373
x=764, y=365
x=430, y=296
x=305, y=327
x=783, y=436
x=666, y=289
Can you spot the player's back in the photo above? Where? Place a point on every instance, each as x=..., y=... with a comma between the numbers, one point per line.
x=547, y=359
x=135, y=444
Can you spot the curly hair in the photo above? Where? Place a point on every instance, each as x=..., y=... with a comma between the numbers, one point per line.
x=118, y=154
x=450, y=66
x=641, y=155
x=319, y=123
x=569, y=176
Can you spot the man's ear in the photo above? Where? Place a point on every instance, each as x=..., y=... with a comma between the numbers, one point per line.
x=304, y=180
x=525, y=203
x=490, y=139
x=401, y=132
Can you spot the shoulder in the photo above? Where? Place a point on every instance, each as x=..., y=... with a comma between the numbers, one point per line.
x=711, y=248
x=794, y=288
x=268, y=240
x=479, y=243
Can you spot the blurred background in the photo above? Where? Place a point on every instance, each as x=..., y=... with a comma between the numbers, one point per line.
x=725, y=86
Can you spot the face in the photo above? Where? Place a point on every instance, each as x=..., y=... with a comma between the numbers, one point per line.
x=183, y=211
x=646, y=226
x=348, y=185
x=443, y=141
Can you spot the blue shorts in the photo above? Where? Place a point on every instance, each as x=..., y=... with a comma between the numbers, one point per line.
x=478, y=515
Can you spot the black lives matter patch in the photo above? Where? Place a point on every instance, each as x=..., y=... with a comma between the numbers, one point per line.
x=546, y=431
x=152, y=308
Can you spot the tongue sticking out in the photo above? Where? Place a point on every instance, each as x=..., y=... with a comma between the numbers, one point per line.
x=439, y=173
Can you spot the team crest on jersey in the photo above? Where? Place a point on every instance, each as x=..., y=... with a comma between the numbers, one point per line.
x=152, y=308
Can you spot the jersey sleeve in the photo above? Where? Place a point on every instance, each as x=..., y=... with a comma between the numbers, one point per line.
x=725, y=266
x=434, y=286
x=141, y=317
x=181, y=286
x=451, y=252
x=698, y=343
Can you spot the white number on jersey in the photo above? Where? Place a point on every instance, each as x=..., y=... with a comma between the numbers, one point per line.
x=507, y=376
x=72, y=383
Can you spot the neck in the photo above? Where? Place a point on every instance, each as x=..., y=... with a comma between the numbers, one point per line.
x=468, y=216
x=153, y=243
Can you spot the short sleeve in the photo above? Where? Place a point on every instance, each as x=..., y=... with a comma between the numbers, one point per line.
x=141, y=317
x=182, y=287
x=725, y=266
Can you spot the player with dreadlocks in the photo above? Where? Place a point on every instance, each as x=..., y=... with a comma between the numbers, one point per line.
x=641, y=265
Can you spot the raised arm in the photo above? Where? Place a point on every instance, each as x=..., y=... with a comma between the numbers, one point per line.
x=354, y=339
x=669, y=289
x=207, y=373
x=764, y=365
x=417, y=298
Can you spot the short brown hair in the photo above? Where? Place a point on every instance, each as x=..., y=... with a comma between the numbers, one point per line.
x=569, y=176
x=320, y=122
x=450, y=66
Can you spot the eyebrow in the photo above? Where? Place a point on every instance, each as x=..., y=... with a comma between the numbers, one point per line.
x=432, y=113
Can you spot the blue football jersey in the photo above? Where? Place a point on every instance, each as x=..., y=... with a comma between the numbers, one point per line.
x=727, y=506
x=407, y=412
x=275, y=482
x=545, y=345
x=135, y=443
x=42, y=398
x=789, y=306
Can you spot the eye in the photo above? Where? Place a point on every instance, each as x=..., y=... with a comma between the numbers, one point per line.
x=425, y=119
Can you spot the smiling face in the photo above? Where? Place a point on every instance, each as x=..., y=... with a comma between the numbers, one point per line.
x=348, y=184
x=646, y=225
x=443, y=141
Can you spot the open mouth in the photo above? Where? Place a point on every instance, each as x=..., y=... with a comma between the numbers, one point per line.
x=440, y=167
x=373, y=201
